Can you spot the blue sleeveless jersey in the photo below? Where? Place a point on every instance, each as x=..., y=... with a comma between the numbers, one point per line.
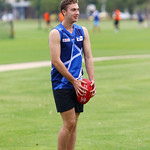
x=71, y=56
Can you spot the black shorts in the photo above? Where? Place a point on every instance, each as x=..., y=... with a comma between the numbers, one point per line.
x=116, y=22
x=66, y=99
x=48, y=21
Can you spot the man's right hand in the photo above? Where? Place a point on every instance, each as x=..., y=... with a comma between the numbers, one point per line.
x=80, y=90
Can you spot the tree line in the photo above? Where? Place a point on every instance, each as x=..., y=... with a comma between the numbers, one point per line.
x=53, y=5
x=130, y=5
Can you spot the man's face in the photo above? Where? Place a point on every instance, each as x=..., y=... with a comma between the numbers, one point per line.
x=72, y=12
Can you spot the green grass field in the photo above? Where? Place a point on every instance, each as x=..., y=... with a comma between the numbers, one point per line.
x=117, y=118
x=31, y=44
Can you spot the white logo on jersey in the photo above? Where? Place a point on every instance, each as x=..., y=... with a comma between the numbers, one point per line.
x=79, y=38
x=66, y=40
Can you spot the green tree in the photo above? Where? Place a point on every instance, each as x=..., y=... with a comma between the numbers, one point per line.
x=53, y=6
x=82, y=5
x=5, y=6
x=124, y=4
x=46, y=5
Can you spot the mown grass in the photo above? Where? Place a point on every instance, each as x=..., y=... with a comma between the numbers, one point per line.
x=117, y=118
x=31, y=43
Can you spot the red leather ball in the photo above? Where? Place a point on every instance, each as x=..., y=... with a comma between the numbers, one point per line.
x=85, y=97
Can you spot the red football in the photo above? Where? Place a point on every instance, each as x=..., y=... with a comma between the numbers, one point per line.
x=82, y=99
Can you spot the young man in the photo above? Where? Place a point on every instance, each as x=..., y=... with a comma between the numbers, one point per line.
x=67, y=43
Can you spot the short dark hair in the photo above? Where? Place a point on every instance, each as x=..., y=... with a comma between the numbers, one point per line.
x=65, y=3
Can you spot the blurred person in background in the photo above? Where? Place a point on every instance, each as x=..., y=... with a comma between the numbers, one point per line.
x=140, y=19
x=117, y=19
x=46, y=17
x=61, y=17
x=96, y=21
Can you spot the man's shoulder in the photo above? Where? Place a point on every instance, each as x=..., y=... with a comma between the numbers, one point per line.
x=77, y=26
x=54, y=34
x=84, y=29
x=59, y=27
x=56, y=30
x=80, y=27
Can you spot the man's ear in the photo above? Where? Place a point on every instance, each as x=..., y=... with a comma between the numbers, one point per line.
x=63, y=12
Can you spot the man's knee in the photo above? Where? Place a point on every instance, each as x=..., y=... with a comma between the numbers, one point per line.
x=70, y=125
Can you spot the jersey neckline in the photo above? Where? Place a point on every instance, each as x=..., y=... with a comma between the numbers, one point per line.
x=68, y=31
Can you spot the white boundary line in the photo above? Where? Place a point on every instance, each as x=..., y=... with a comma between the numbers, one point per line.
x=28, y=65
x=121, y=57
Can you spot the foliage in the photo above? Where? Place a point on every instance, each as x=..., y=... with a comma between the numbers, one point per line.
x=46, y=5
x=53, y=6
x=5, y=6
x=124, y=4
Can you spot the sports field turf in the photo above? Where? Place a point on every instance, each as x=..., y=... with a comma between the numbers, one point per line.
x=31, y=44
x=117, y=118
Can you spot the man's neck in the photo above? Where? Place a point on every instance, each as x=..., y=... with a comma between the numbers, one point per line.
x=68, y=26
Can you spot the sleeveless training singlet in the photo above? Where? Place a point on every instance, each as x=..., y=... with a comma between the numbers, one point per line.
x=71, y=56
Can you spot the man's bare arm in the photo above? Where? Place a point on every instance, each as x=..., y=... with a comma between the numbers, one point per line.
x=89, y=59
x=54, y=44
